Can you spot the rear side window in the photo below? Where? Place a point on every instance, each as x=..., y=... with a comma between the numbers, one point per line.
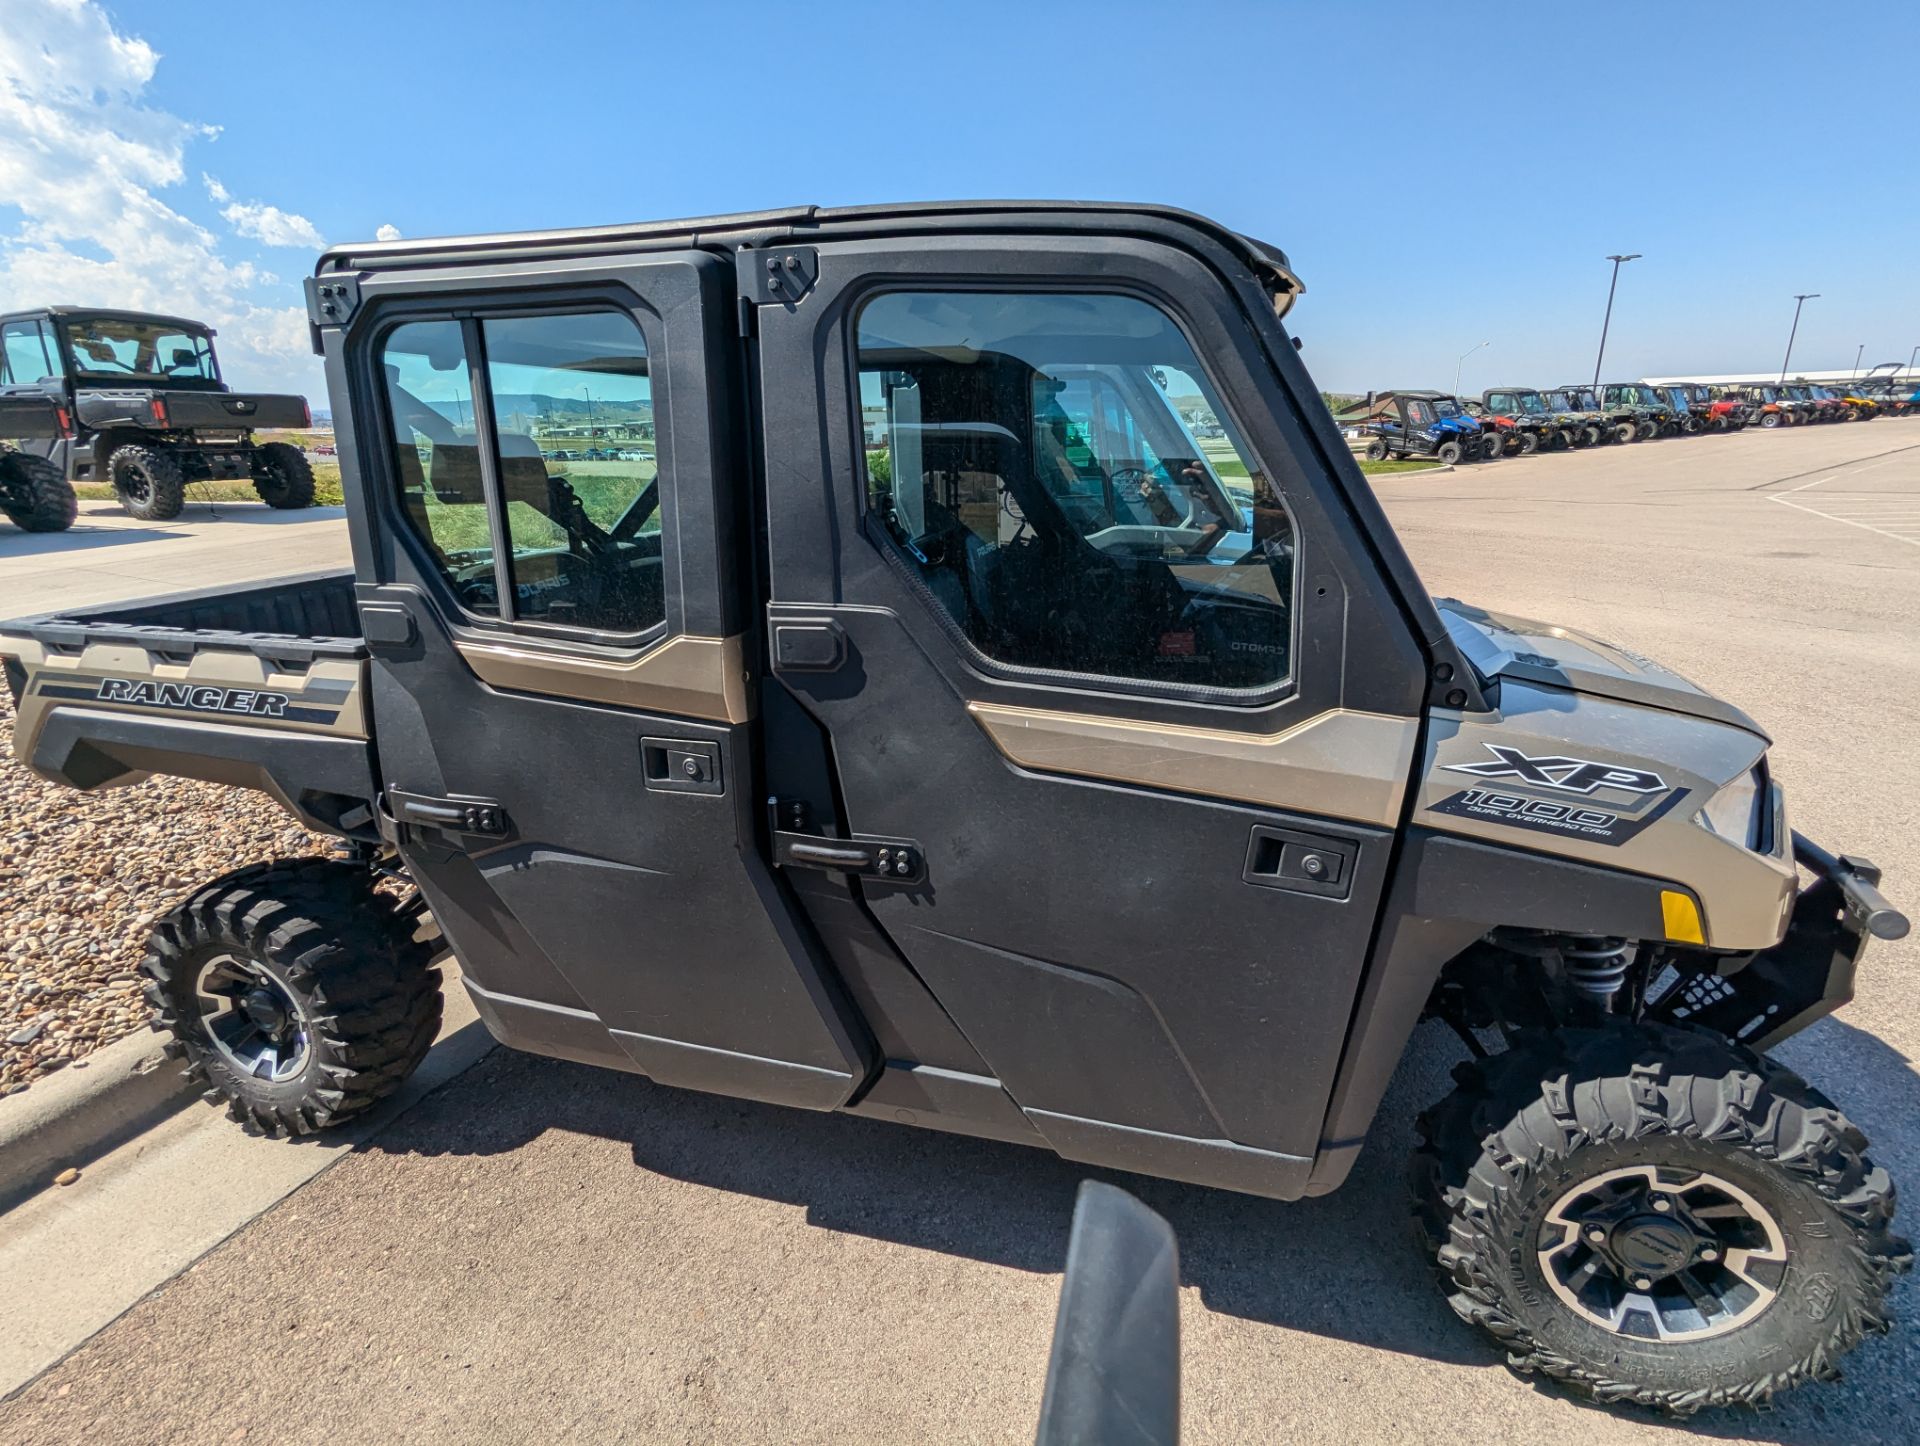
x=569, y=440
x=1061, y=476
x=27, y=354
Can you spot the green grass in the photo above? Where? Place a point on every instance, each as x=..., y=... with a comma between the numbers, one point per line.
x=1374, y=469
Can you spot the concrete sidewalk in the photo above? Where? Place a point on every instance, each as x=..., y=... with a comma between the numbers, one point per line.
x=108, y=557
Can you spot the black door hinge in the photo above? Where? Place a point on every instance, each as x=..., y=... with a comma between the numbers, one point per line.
x=778, y=275
x=866, y=856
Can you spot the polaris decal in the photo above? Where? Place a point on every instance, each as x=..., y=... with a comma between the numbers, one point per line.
x=1567, y=775
x=194, y=697
x=1548, y=815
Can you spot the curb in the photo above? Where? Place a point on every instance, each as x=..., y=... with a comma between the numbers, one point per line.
x=78, y=1114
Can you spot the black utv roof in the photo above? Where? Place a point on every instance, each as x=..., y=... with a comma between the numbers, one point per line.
x=1491, y=390
x=755, y=228
x=111, y=313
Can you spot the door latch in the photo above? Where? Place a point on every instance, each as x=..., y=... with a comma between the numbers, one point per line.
x=867, y=856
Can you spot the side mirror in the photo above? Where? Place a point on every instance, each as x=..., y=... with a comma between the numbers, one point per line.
x=1114, y=1375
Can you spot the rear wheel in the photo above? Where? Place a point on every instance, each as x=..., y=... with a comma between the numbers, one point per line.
x=1654, y=1215
x=1647, y=431
x=1376, y=450
x=296, y=993
x=1490, y=447
x=282, y=475
x=149, y=482
x=36, y=495
x=1448, y=453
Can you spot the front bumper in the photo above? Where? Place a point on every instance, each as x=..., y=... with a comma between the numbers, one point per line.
x=1761, y=999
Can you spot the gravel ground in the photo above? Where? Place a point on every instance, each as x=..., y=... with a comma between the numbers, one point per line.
x=82, y=876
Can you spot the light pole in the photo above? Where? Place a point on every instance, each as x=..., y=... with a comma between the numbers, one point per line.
x=1856, y=360
x=1800, y=299
x=1616, y=260
x=1914, y=353
x=1462, y=362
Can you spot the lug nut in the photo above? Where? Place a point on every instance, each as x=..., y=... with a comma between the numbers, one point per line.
x=1596, y=1235
x=1709, y=1254
x=1663, y=1206
x=1640, y=1282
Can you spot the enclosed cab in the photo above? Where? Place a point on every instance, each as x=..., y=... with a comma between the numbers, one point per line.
x=1428, y=424
x=1650, y=413
x=150, y=412
x=1529, y=420
x=986, y=695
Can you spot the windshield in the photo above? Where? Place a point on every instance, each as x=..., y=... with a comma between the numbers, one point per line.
x=1532, y=403
x=1446, y=407
x=119, y=347
x=1562, y=402
x=1584, y=400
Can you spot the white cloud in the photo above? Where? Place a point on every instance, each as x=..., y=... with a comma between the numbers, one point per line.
x=273, y=226
x=388, y=232
x=84, y=158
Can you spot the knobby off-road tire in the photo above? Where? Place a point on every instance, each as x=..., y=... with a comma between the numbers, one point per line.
x=1491, y=448
x=149, y=482
x=309, y=945
x=1595, y=436
x=1529, y=1132
x=282, y=475
x=1626, y=432
x=1447, y=454
x=45, y=501
x=1376, y=450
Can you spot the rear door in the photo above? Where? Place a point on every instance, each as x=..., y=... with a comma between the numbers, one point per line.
x=1116, y=716
x=544, y=524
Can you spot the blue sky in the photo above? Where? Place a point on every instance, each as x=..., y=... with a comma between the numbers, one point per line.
x=1439, y=175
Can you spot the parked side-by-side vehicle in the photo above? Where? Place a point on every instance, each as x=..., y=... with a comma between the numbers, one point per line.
x=147, y=408
x=1000, y=705
x=1428, y=424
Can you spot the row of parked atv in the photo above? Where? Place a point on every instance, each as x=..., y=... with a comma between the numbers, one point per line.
x=1518, y=421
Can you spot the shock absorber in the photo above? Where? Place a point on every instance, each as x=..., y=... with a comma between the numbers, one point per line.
x=1595, y=968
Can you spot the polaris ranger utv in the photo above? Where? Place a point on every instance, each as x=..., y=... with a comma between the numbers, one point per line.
x=149, y=410
x=1651, y=415
x=33, y=494
x=1426, y=424
x=1536, y=425
x=997, y=703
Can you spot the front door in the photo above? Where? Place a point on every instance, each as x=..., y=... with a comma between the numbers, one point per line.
x=561, y=681
x=1066, y=589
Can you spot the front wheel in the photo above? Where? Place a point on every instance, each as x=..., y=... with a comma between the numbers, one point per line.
x=1626, y=432
x=1654, y=1215
x=1529, y=444
x=297, y=994
x=282, y=475
x=1648, y=431
x=1594, y=436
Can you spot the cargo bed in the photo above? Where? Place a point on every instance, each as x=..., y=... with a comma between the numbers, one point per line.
x=261, y=687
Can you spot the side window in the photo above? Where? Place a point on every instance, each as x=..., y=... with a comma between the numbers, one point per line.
x=23, y=354
x=573, y=413
x=436, y=455
x=1062, y=477
x=571, y=407
x=1419, y=414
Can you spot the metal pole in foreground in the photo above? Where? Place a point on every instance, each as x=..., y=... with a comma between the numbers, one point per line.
x=1462, y=362
x=1799, y=300
x=1616, y=260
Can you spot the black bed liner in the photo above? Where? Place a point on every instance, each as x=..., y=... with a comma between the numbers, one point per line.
x=297, y=619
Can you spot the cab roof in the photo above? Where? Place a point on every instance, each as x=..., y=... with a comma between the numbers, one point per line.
x=747, y=229
x=111, y=313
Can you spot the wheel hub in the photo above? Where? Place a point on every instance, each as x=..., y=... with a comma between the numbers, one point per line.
x=250, y=1019
x=1662, y=1254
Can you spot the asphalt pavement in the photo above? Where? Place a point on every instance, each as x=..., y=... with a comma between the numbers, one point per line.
x=543, y=1251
